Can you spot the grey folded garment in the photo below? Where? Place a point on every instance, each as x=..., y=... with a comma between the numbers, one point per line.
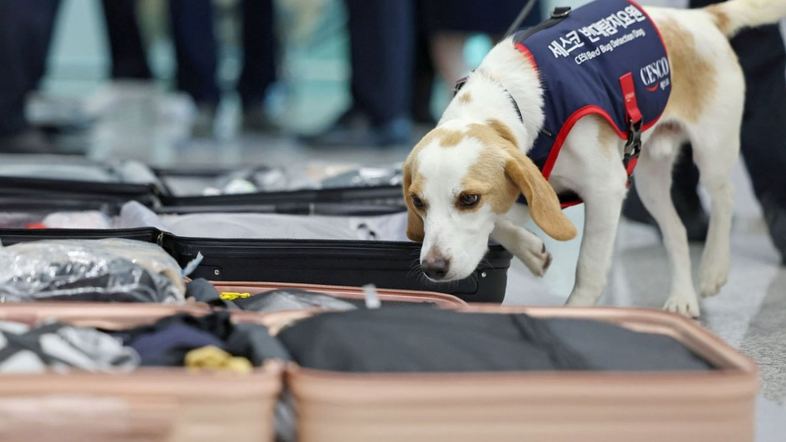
x=110, y=270
x=282, y=300
x=59, y=347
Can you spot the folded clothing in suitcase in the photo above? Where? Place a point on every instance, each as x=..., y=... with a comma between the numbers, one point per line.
x=150, y=404
x=556, y=375
x=386, y=264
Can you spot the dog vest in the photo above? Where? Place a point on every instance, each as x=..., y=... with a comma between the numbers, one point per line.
x=605, y=58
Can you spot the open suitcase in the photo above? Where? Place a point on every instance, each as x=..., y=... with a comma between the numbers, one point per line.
x=155, y=404
x=387, y=264
x=149, y=404
x=556, y=406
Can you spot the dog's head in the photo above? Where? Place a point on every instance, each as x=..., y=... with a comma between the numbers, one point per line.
x=457, y=181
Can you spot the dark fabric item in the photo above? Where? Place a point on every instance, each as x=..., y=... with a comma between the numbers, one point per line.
x=418, y=340
x=259, y=52
x=488, y=17
x=608, y=347
x=125, y=41
x=423, y=72
x=201, y=290
x=434, y=340
x=166, y=342
x=167, y=346
x=763, y=58
x=381, y=51
x=581, y=75
x=26, y=28
x=195, y=49
x=255, y=343
x=290, y=299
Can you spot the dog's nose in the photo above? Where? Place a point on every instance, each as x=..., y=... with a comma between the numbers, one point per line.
x=436, y=268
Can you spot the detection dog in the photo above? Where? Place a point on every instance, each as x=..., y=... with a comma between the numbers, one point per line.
x=517, y=127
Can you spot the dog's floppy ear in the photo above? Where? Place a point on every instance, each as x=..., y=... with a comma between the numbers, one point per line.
x=543, y=203
x=415, y=230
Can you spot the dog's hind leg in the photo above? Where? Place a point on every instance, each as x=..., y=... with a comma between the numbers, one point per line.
x=653, y=181
x=715, y=159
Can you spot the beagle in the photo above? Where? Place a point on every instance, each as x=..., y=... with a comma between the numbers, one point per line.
x=461, y=182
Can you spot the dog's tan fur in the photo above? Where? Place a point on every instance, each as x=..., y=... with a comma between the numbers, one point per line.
x=693, y=76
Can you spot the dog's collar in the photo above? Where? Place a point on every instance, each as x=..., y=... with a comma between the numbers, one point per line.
x=463, y=80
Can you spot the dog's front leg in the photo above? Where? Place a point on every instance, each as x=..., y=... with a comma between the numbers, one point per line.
x=523, y=244
x=601, y=217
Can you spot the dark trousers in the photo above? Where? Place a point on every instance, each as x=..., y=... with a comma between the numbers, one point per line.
x=25, y=34
x=125, y=41
x=381, y=34
x=762, y=55
x=196, y=49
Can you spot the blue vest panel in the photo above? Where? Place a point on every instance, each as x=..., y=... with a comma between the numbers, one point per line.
x=581, y=60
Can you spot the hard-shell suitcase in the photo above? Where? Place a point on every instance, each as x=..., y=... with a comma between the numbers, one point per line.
x=149, y=404
x=558, y=406
x=388, y=265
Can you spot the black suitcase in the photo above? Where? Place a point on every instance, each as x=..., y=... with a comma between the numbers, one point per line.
x=386, y=264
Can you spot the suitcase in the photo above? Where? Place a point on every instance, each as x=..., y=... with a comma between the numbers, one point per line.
x=150, y=404
x=717, y=405
x=388, y=265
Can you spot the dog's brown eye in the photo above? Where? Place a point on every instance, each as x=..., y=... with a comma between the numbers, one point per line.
x=469, y=199
x=417, y=202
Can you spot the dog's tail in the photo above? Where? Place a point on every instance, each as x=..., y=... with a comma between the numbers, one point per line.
x=735, y=15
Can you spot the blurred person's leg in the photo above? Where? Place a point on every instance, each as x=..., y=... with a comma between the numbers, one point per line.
x=26, y=28
x=423, y=75
x=197, y=58
x=125, y=41
x=447, y=48
x=450, y=23
x=259, y=62
x=763, y=58
x=381, y=34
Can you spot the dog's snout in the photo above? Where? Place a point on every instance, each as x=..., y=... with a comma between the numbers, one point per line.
x=436, y=267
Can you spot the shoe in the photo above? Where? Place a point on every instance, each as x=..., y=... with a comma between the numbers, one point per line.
x=204, y=121
x=775, y=216
x=353, y=129
x=687, y=204
x=27, y=142
x=255, y=119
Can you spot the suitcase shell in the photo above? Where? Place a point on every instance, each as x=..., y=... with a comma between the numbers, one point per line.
x=150, y=404
x=387, y=264
x=540, y=406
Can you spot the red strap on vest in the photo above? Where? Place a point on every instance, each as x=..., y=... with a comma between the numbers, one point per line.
x=633, y=144
x=629, y=95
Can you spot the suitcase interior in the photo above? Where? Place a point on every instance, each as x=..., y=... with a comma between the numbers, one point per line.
x=387, y=264
x=540, y=406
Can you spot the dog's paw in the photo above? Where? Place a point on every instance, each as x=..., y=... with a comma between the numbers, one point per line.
x=712, y=276
x=684, y=304
x=537, y=260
